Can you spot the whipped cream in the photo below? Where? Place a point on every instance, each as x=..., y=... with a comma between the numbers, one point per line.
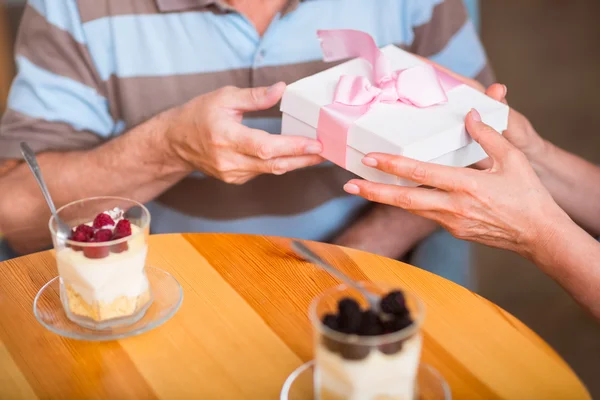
x=377, y=376
x=105, y=279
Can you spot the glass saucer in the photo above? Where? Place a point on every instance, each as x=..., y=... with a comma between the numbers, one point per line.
x=167, y=297
x=299, y=385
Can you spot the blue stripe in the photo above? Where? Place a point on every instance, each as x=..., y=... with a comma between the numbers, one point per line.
x=422, y=10
x=464, y=54
x=42, y=94
x=62, y=13
x=168, y=44
x=200, y=42
x=299, y=28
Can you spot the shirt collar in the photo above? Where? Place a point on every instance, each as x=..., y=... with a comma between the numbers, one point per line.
x=183, y=5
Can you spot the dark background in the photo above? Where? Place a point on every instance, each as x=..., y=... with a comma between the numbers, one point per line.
x=548, y=54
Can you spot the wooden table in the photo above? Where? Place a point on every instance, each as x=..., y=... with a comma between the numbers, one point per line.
x=243, y=327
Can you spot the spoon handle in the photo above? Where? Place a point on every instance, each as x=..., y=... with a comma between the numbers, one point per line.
x=308, y=254
x=29, y=156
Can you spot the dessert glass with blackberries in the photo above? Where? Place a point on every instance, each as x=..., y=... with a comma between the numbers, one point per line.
x=362, y=353
x=102, y=265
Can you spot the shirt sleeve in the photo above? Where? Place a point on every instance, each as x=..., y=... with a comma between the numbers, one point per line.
x=57, y=100
x=443, y=32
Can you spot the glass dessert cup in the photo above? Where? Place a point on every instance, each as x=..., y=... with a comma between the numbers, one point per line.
x=103, y=281
x=379, y=366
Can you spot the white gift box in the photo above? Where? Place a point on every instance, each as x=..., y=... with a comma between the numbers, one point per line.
x=436, y=134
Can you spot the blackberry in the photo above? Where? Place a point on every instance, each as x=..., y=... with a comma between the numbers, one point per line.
x=394, y=303
x=349, y=316
x=391, y=348
x=370, y=324
x=354, y=351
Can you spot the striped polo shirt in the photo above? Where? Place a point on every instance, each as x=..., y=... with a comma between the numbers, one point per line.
x=89, y=70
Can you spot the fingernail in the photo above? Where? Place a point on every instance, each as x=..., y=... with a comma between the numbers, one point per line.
x=313, y=149
x=351, y=188
x=270, y=89
x=505, y=90
x=475, y=115
x=369, y=162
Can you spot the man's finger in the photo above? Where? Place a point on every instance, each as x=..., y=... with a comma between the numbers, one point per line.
x=260, y=144
x=495, y=145
x=434, y=175
x=408, y=198
x=281, y=165
x=497, y=92
x=253, y=99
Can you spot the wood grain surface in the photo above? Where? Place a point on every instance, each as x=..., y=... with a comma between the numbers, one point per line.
x=243, y=328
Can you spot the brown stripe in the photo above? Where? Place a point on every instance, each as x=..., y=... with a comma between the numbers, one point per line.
x=265, y=195
x=41, y=135
x=137, y=99
x=432, y=37
x=486, y=76
x=55, y=50
x=58, y=373
x=243, y=270
x=91, y=10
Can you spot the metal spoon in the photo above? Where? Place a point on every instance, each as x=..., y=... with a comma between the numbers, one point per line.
x=63, y=230
x=308, y=255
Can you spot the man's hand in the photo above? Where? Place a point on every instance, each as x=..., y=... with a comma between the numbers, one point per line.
x=207, y=135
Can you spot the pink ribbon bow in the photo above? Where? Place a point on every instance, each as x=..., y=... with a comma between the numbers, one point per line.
x=420, y=86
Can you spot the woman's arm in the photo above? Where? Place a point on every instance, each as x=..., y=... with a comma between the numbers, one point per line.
x=571, y=257
x=573, y=182
x=504, y=206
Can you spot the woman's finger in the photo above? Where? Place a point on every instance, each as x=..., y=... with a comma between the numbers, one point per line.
x=408, y=198
x=495, y=145
x=434, y=175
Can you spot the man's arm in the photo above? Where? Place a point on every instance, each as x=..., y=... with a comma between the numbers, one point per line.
x=443, y=33
x=573, y=182
x=133, y=165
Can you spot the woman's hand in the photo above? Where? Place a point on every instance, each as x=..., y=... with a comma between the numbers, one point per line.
x=503, y=206
x=520, y=132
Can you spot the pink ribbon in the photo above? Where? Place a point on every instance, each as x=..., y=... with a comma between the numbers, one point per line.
x=420, y=86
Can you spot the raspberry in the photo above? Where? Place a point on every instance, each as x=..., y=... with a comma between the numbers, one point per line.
x=123, y=229
x=119, y=247
x=103, y=220
x=88, y=231
x=103, y=235
x=96, y=252
x=79, y=236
